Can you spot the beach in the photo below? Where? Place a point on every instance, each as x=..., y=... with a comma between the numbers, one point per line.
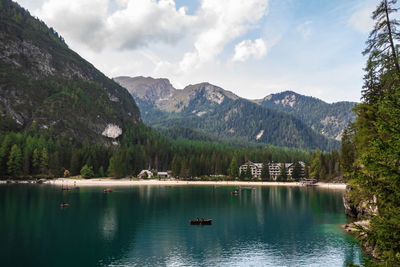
x=106, y=182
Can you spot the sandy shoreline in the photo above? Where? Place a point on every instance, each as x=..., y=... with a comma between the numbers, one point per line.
x=127, y=182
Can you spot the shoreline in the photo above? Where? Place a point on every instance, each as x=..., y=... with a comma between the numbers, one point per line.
x=126, y=182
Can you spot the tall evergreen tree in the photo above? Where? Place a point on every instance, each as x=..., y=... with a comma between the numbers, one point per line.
x=316, y=165
x=234, y=168
x=382, y=70
x=44, y=161
x=14, y=163
x=26, y=162
x=248, y=174
x=282, y=177
x=36, y=160
x=297, y=171
x=374, y=172
x=265, y=176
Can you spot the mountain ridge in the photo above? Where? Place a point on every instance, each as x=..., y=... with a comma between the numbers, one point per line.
x=330, y=120
x=214, y=110
x=46, y=85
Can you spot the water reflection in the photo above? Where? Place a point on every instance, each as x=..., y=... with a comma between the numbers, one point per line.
x=148, y=225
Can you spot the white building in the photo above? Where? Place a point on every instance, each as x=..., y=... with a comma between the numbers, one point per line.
x=143, y=173
x=274, y=169
x=163, y=175
x=254, y=167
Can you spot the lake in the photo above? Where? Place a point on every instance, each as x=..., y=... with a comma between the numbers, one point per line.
x=149, y=226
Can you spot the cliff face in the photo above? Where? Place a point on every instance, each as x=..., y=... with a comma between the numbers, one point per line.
x=362, y=209
x=361, y=212
x=44, y=84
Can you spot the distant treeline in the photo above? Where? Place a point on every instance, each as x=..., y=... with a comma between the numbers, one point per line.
x=37, y=154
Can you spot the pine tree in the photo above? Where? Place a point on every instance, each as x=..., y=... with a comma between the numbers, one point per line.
x=248, y=174
x=297, y=171
x=316, y=165
x=176, y=166
x=14, y=163
x=44, y=161
x=26, y=162
x=242, y=175
x=374, y=168
x=265, y=176
x=87, y=171
x=76, y=161
x=283, y=173
x=382, y=70
x=233, y=168
x=36, y=160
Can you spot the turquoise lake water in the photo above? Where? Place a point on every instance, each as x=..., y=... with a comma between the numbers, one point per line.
x=149, y=226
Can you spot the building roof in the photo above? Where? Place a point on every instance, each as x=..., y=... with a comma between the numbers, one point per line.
x=146, y=171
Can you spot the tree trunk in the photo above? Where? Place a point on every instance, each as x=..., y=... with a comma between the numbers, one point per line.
x=396, y=63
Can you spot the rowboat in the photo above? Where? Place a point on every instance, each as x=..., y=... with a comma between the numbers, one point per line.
x=201, y=222
x=64, y=205
x=107, y=190
x=249, y=188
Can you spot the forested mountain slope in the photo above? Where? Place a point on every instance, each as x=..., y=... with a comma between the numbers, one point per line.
x=327, y=119
x=220, y=113
x=46, y=85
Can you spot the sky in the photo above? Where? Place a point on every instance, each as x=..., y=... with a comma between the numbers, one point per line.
x=250, y=47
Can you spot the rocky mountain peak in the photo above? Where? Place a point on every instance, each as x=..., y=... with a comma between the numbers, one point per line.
x=48, y=86
x=147, y=87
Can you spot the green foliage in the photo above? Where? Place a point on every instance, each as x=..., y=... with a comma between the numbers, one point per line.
x=248, y=174
x=282, y=177
x=373, y=169
x=59, y=89
x=265, y=176
x=314, y=112
x=297, y=171
x=236, y=122
x=87, y=171
x=14, y=163
x=44, y=161
x=347, y=150
x=325, y=166
x=140, y=148
x=233, y=168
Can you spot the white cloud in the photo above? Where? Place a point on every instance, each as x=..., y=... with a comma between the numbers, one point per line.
x=305, y=29
x=144, y=21
x=138, y=23
x=226, y=21
x=361, y=20
x=81, y=20
x=133, y=24
x=246, y=49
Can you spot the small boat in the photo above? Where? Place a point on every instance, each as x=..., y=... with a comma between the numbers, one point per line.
x=201, y=222
x=65, y=189
x=235, y=193
x=64, y=205
x=107, y=190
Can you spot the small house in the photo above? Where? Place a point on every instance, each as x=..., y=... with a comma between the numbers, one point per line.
x=145, y=174
x=163, y=174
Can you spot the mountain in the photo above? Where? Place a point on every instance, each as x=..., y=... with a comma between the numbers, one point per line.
x=46, y=85
x=220, y=113
x=327, y=119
